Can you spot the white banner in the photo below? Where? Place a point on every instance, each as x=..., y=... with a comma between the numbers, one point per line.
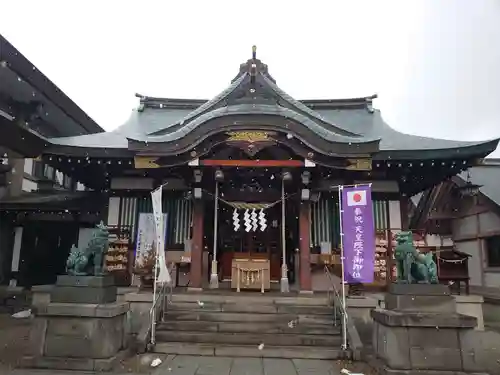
x=146, y=238
x=160, y=224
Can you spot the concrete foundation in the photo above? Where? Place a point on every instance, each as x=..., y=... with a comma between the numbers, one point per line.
x=471, y=305
x=419, y=332
x=79, y=336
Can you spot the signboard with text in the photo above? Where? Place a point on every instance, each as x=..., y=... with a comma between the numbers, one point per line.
x=358, y=231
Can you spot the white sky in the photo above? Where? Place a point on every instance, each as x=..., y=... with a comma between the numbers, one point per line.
x=435, y=64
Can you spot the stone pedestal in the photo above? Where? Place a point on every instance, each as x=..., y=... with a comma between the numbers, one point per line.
x=71, y=333
x=419, y=332
x=84, y=289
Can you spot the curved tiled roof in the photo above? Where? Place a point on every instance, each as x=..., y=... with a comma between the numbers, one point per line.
x=369, y=124
x=139, y=122
x=250, y=109
x=348, y=121
x=202, y=109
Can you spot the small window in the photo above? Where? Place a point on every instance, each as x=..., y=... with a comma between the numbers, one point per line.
x=68, y=182
x=43, y=170
x=49, y=172
x=493, y=251
x=37, y=169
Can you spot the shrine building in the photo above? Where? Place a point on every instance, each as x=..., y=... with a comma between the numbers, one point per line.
x=254, y=174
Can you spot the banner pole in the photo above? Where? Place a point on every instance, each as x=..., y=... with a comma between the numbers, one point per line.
x=285, y=287
x=344, y=313
x=153, y=313
x=214, y=277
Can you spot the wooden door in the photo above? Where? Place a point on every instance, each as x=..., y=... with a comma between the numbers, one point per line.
x=45, y=248
x=266, y=244
x=259, y=244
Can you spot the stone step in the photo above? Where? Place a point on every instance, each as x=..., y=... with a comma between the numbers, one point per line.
x=251, y=298
x=269, y=351
x=268, y=308
x=283, y=339
x=246, y=317
x=251, y=327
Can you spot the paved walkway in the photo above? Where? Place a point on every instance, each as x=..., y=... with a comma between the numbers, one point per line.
x=195, y=365
x=192, y=365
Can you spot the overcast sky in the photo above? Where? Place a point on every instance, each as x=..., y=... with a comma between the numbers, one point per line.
x=435, y=64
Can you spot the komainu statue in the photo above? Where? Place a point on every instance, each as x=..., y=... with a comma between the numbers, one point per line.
x=412, y=266
x=89, y=261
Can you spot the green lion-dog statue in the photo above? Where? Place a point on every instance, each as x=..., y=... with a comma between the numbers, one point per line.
x=412, y=266
x=89, y=261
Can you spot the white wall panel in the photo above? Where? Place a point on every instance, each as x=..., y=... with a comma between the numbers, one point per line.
x=475, y=267
x=113, y=210
x=395, y=214
x=29, y=185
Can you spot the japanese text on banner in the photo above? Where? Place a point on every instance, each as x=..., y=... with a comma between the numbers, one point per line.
x=358, y=233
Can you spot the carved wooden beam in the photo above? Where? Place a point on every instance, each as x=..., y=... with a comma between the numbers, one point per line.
x=146, y=162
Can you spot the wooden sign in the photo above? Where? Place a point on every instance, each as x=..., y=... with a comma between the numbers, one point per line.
x=117, y=260
x=359, y=164
x=251, y=142
x=146, y=162
x=249, y=136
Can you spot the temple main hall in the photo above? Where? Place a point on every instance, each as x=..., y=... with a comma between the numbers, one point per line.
x=250, y=183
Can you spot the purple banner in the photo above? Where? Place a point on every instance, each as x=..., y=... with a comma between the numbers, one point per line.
x=358, y=231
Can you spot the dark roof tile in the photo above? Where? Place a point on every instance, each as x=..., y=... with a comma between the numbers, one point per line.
x=356, y=123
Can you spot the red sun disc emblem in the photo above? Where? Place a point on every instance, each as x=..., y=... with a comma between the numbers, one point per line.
x=356, y=197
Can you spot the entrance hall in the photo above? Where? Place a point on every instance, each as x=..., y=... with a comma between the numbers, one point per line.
x=249, y=221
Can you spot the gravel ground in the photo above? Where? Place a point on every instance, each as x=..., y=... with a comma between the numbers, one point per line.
x=139, y=364
x=14, y=338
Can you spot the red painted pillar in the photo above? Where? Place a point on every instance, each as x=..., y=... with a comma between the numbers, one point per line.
x=305, y=247
x=196, y=274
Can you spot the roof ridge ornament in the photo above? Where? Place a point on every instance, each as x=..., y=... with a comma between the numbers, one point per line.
x=253, y=65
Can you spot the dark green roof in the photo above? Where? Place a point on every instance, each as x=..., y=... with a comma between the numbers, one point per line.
x=349, y=121
x=361, y=121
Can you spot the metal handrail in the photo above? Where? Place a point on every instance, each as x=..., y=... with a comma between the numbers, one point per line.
x=338, y=302
x=165, y=296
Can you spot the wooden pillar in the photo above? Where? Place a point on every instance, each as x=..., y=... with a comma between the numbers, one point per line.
x=403, y=206
x=390, y=261
x=305, y=247
x=196, y=273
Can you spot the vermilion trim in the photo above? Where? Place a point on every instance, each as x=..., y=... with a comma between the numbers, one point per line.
x=252, y=163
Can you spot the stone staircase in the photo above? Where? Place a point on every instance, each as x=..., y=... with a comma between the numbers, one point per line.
x=250, y=325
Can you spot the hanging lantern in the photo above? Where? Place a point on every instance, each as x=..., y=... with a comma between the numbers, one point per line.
x=286, y=176
x=469, y=189
x=219, y=175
